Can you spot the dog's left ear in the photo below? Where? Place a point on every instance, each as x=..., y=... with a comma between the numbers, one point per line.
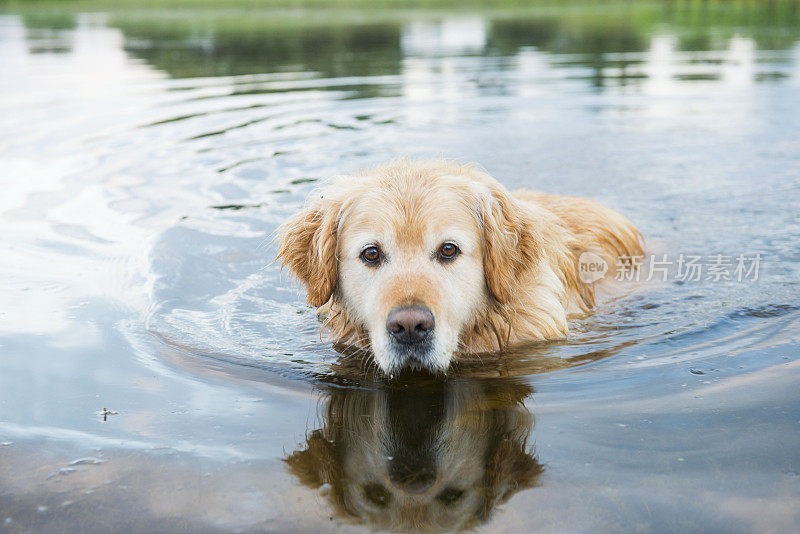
x=509, y=469
x=307, y=246
x=509, y=244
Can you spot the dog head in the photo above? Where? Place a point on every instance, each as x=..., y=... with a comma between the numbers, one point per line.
x=409, y=257
x=430, y=457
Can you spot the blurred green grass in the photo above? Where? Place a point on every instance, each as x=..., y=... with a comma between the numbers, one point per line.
x=124, y=5
x=217, y=5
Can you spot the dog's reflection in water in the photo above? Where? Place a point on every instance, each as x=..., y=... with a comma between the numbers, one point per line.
x=421, y=456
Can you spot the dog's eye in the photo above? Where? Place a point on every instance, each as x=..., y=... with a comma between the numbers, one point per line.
x=448, y=251
x=371, y=255
x=449, y=496
x=377, y=494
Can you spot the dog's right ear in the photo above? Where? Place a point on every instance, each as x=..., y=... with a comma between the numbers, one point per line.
x=316, y=464
x=307, y=246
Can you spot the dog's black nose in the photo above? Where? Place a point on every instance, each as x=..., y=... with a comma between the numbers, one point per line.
x=410, y=324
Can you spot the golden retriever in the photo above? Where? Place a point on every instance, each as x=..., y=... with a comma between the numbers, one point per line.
x=420, y=261
x=421, y=456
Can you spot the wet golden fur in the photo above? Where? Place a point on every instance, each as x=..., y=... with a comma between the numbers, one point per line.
x=519, y=274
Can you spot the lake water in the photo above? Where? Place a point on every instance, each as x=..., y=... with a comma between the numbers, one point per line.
x=157, y=373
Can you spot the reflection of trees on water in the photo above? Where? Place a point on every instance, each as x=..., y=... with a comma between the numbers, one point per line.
x=421, y=454
x=49, y=32
x=212, y=46
x=205, y=49
x=583, y=36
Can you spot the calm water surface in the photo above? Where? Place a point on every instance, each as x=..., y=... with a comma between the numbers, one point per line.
x=156, y=373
